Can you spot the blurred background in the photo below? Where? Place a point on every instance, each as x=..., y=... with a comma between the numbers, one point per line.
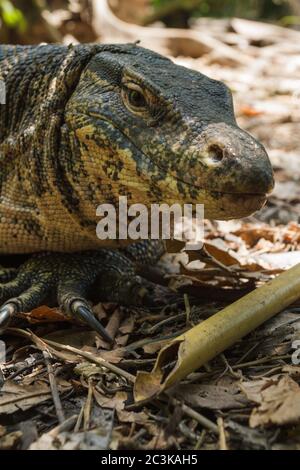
x=31, y=21
x=251, y=45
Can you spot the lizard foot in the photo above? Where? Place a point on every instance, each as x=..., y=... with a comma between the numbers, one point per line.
x=107, y=275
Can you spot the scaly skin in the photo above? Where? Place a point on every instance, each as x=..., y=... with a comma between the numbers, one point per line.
x=85, y=124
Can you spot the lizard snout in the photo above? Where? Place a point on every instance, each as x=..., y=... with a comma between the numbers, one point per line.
x=235, y=162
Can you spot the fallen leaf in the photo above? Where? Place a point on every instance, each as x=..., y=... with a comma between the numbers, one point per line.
x=122, y=340
x=214, y=397
x=132, y=417
x=116, y=402
x=278, y=399
x=127, y=325
x=14, y=397
x=96, y=439
x=10, y=441
x=78, y=338
x=154, y=346
x=44, y=314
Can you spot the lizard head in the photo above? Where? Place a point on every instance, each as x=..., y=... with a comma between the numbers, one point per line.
x=154, y=131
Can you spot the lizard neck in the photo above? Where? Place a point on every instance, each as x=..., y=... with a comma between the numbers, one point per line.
x=34, y=212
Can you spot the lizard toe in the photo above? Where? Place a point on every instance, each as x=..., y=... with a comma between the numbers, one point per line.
x=129, y=289
x=82, y=311
x=72, y=293
x=25, y=302
x=72, y=279
x=30, y=286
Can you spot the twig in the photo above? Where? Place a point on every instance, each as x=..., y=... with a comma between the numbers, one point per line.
x=151, y=317
x=54, y=389
x=263, y=360
x=25, y=368
x=65, y=426
x=201, y=439
x=267, y=373
x=137, y=363
x=187, y=432
x=87, y=355
x=228, y=368
x=187, y=309
x=143, y=342
x=205, y=422
x=247, y=353
x=37, y=341
x=166, y=397
x=24, y=397
x=92, y=358
x=79, y=418
x=164, y=322
x=194, y=376
x=87, y=408
x=222, y=437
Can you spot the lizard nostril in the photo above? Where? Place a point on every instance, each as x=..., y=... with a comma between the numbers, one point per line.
x=216, y=153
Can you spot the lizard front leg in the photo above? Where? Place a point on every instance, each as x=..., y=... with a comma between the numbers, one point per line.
x=72, y=278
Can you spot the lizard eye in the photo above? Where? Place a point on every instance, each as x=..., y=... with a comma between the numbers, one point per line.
x=136, y=99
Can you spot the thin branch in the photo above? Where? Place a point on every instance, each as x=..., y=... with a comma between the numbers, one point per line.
x=54, y=389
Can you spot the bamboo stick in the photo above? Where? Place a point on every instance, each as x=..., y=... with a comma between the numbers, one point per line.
x=208, y=339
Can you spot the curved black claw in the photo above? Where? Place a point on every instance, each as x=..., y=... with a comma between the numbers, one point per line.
x=109, y=275
x=7, y=312
x=82, y=311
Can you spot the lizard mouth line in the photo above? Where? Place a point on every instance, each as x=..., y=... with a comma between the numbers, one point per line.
x=212, y=192
x=246, y=195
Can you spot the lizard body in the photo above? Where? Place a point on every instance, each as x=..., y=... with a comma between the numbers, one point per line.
x=85, y=124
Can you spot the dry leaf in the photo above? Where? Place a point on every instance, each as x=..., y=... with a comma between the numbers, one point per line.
x=132, y=417
x=96, y=439
x=214, y=397
x=44, y=314
x=127, y=325
x=278, y=398
x=78, y=338
x=122, y=340
x=10, y=441
x=14, y=397
x=116, y=402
